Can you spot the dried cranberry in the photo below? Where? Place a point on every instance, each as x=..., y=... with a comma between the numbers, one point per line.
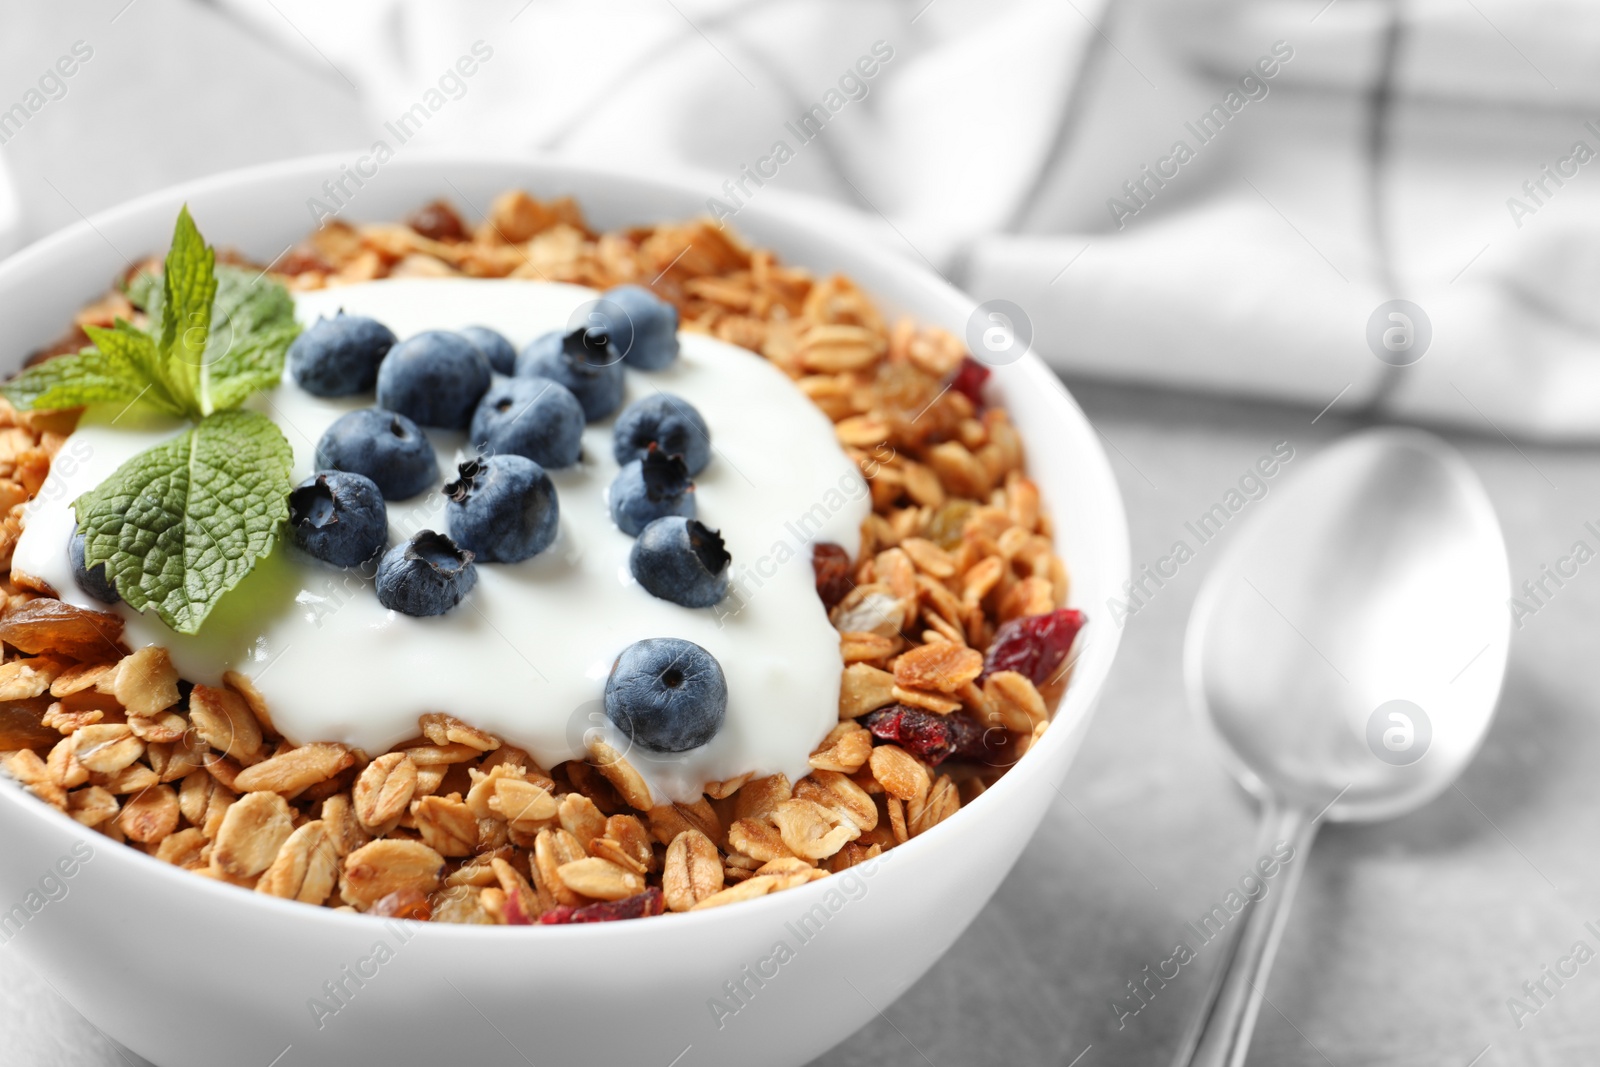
x=638, y=906
x=831, y=563
x=1033, y=645
x=970, y=741
x=929, y=737
x=969, y=379
x=919, y=732
x=438, y=221
x=514, y=914
x=404, y=904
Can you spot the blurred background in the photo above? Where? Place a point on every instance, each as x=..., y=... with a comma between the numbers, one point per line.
x=1205, y=210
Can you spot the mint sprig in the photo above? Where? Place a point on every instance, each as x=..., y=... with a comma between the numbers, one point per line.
x=180, y=524
x=218, y=335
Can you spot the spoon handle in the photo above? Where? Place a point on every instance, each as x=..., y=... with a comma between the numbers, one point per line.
x=1220, y=1036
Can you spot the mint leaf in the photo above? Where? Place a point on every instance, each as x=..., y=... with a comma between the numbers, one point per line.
x=252, y=327
x=117, y=370
x=143, y=290
x=68, y=381
x=180, y=524
x=188, y=289
x=136, y=351
x=253, y=364
x=250, y=300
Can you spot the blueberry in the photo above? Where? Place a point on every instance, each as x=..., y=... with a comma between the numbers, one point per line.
x=668, y=422
x=434, y=379
x=502, y=355
x=384, y=446
x=680, y=560
x=427, y=575
x=533, y=417
x=645, y=331
x=583, y=360
x=339, y=517
x=503, y=508
x=92, y=580
x=667, y=694
x=651, y=488
x=340, y=356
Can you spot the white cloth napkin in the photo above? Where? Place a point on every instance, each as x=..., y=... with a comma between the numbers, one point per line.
x=992, y=135
x=945, y=136
x=1527, y=53
x=1259, y=272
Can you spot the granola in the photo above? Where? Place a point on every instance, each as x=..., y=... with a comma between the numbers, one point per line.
x=457, y=826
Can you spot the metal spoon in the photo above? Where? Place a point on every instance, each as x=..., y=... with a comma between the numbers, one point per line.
x=1347, y=650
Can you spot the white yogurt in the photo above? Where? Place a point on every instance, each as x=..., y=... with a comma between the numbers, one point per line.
x=526, y=655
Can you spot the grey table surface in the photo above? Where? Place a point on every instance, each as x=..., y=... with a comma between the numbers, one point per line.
x=1406, y=939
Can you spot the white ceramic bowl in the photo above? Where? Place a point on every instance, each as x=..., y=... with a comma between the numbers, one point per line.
x=190, y=973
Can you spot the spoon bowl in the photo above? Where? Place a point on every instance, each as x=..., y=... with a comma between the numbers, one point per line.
x=1347, y=651
x=1372, y=586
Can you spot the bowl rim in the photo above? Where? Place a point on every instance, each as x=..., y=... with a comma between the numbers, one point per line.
x=1097, y=643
